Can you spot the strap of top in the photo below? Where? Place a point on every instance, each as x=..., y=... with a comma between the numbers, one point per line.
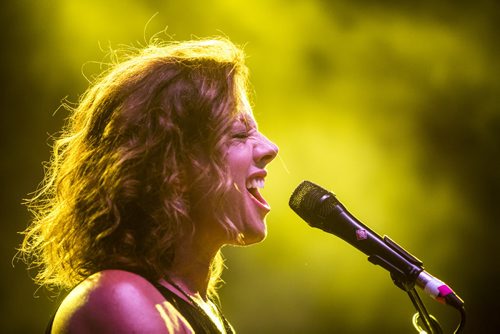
x=48, y=329
x=197, y=318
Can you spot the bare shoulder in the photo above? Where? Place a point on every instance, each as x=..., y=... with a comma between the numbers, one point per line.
x=114, y=301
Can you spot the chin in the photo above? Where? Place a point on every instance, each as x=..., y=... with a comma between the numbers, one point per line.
x=253, y=236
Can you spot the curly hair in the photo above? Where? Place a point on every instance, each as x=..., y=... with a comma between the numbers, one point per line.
x=117, y=191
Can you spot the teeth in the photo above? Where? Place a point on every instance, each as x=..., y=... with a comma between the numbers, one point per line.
x=255, y=183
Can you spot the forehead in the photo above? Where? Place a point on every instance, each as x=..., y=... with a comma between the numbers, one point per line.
x=244, y=113
x=246, y=119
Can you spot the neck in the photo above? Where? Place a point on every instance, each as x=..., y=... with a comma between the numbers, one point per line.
x=190, y=269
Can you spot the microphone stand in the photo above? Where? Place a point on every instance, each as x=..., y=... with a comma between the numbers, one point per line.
x=429, y=322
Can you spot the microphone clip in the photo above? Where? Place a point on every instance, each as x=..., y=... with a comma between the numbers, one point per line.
x=405, y=275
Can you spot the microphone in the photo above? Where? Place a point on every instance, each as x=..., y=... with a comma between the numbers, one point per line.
x=321, y=209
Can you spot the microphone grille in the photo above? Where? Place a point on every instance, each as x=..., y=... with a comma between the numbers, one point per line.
x=306, y=199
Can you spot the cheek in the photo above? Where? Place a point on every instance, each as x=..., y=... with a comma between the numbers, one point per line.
x=239, y=159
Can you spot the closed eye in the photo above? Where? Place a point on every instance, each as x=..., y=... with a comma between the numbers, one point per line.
x=241, y=135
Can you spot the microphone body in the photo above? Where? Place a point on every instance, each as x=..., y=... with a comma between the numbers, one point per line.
x=321, y=209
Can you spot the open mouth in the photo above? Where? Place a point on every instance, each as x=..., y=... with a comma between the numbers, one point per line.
x=253, y=187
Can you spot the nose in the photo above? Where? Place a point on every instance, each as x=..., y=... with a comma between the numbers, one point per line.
x=265, y=151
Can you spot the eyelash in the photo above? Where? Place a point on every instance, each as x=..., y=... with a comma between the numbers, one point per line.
x=241, y=135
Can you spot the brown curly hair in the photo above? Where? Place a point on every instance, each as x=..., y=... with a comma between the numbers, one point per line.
x=117, y=192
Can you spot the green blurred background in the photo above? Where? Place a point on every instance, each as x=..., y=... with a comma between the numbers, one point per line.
x=392, y=105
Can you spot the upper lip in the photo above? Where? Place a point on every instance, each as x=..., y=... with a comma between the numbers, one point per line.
x=261, y=174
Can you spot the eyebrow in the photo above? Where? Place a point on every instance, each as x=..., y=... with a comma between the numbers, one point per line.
x=248, y=121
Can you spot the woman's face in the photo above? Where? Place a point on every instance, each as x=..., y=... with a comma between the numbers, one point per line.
x=247, y=155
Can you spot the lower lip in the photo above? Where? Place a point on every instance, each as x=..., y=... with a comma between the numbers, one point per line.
x=262, y=206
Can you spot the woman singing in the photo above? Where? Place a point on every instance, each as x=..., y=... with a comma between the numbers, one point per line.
x=158, y=167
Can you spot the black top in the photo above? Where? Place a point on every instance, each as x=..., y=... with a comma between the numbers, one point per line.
x=197, y=318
